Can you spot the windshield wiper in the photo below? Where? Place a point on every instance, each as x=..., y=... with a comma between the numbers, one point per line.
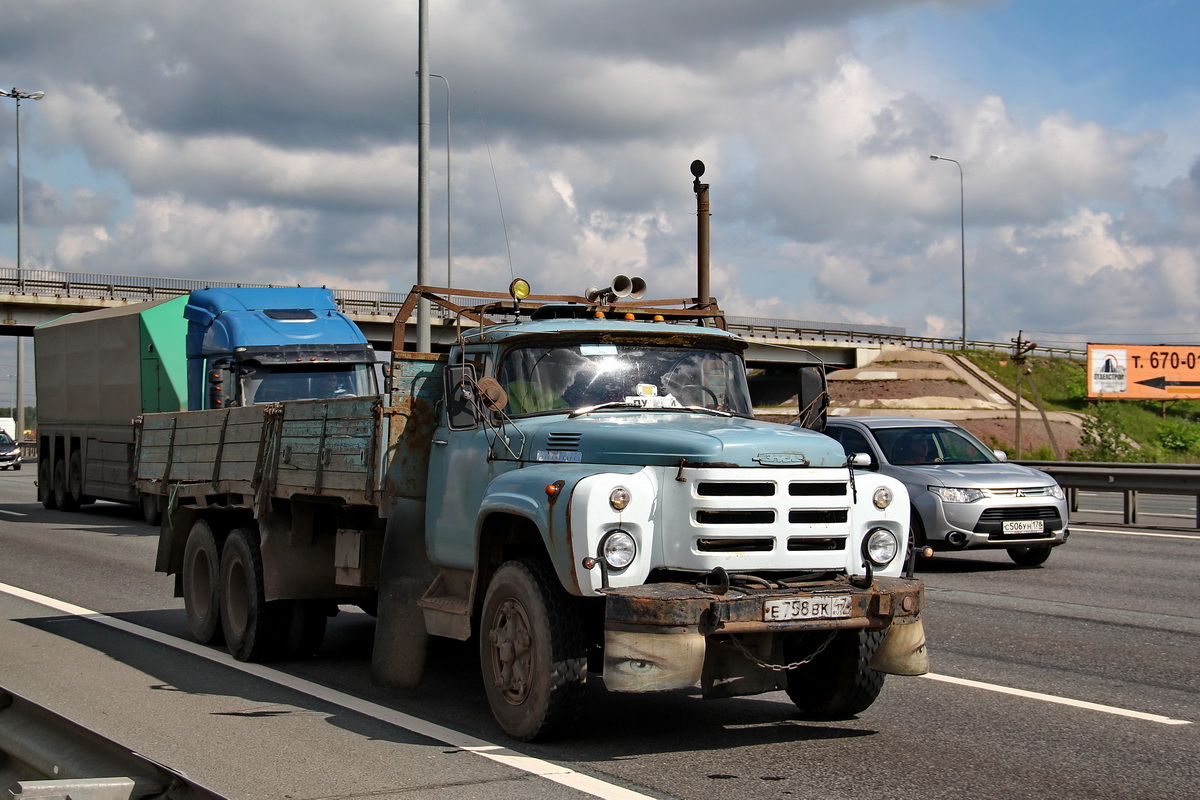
x=622, y=404
x=611, y=404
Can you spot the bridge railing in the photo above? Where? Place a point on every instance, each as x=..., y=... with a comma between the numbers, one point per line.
x=87, y=285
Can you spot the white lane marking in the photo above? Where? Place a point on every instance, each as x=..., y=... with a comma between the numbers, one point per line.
x=1135, y=533
x=13, y=513
x=1050, y=698
x=481, y=747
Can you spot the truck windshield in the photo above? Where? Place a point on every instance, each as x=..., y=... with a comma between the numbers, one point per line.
x=273, y=383
x=563, y=377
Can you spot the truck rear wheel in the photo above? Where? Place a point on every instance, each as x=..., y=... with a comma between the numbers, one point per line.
x=838, y=682
x=46, y=483
x=75, y=480
x=62, y=491
x=151, y=509
x=247, y=619
x=532, y=652
x=201, y=583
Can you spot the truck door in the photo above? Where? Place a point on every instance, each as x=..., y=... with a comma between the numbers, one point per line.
x=460, y=470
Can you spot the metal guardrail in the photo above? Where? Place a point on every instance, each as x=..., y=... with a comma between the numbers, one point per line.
x=46, y=755
x=87, y=285
x=1127, y=478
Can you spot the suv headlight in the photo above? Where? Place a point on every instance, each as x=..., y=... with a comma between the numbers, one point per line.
x=880, y=546
x=1057, y=492
x=949, y=494
x=618, y=549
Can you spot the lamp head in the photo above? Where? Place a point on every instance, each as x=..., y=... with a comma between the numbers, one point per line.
x=934, y=158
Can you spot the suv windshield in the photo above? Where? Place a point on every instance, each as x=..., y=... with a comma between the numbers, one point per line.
x=932, y=446
x=561, y=377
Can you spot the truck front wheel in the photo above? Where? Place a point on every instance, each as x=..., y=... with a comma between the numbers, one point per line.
x=201, y=582
x=247, y=619
x=532, y=651
x=838, y=682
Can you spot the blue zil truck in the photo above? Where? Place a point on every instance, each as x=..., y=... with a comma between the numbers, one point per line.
x=98, y=371
x=579, y=485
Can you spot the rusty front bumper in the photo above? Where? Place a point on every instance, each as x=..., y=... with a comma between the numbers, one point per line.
x=742, y=609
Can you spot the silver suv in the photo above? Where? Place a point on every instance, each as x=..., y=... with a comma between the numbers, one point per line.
x=964, y=495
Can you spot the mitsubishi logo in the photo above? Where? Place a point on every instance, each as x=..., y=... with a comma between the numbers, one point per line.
x=1019, y=493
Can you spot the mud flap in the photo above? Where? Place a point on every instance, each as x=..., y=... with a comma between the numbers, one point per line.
x=903, y=651
x=401, y=641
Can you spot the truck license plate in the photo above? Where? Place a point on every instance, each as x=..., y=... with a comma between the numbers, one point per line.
x=1023, y=526
x=829, y=607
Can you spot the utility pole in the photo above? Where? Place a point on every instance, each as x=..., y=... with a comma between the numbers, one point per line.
x=1020, y=350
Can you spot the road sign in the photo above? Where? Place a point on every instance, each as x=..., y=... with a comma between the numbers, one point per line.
x=1143, y=372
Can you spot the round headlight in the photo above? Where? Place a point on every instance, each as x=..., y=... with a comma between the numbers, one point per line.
x=881, y=546
x=618, y=549
x=882, y=498
x=619, y=498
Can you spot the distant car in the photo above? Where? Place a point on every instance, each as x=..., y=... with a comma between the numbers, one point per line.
x=10, y=452
x=964, y=495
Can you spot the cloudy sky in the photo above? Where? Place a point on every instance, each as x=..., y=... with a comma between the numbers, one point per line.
x=276, y=141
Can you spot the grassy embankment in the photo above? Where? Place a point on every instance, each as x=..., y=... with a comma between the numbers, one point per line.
x=1118, y=430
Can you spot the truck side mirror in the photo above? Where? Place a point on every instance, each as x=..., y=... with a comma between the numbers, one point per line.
x=814, y=397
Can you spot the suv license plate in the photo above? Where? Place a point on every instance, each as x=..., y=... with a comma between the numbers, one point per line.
x=830, y=607
x=1023, y=526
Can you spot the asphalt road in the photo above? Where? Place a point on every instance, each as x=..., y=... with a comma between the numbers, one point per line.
x=1077, y=679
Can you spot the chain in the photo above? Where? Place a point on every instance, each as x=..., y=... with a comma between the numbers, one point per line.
x=783, y=667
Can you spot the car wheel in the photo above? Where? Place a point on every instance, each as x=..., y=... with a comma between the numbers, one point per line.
x=1029, y=556
x=837, y=682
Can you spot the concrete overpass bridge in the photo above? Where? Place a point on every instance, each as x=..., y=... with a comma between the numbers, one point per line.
x=33, y=297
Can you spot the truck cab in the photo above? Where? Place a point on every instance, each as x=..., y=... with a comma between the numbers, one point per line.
x=248, y=346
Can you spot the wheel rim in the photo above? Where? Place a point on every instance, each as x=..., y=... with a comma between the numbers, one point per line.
x=511, y=651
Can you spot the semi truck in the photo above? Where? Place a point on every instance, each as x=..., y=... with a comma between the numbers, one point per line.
x=215, y=348
x=579, y=485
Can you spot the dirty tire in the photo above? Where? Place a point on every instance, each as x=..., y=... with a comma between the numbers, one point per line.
x=62, y=492
x=1029, y=556
x=838, y=683
x=201, y=584
x=247, y=619
x=45, y=480
x=532, y=652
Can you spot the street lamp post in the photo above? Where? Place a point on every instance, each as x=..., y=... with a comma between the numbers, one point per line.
x=19, y=412
x=445, y=80
x=962, y=222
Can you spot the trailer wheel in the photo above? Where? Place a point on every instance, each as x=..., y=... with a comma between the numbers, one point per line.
x=75, y=480
x=838, y=683
x=45, y=480
x=151, y=509
x=247, y=619
x=201, y=583
x=62, y=491
x=531, y=651
x=1029, y=556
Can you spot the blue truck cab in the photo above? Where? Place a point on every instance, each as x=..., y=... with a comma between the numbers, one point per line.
x=247, y=346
